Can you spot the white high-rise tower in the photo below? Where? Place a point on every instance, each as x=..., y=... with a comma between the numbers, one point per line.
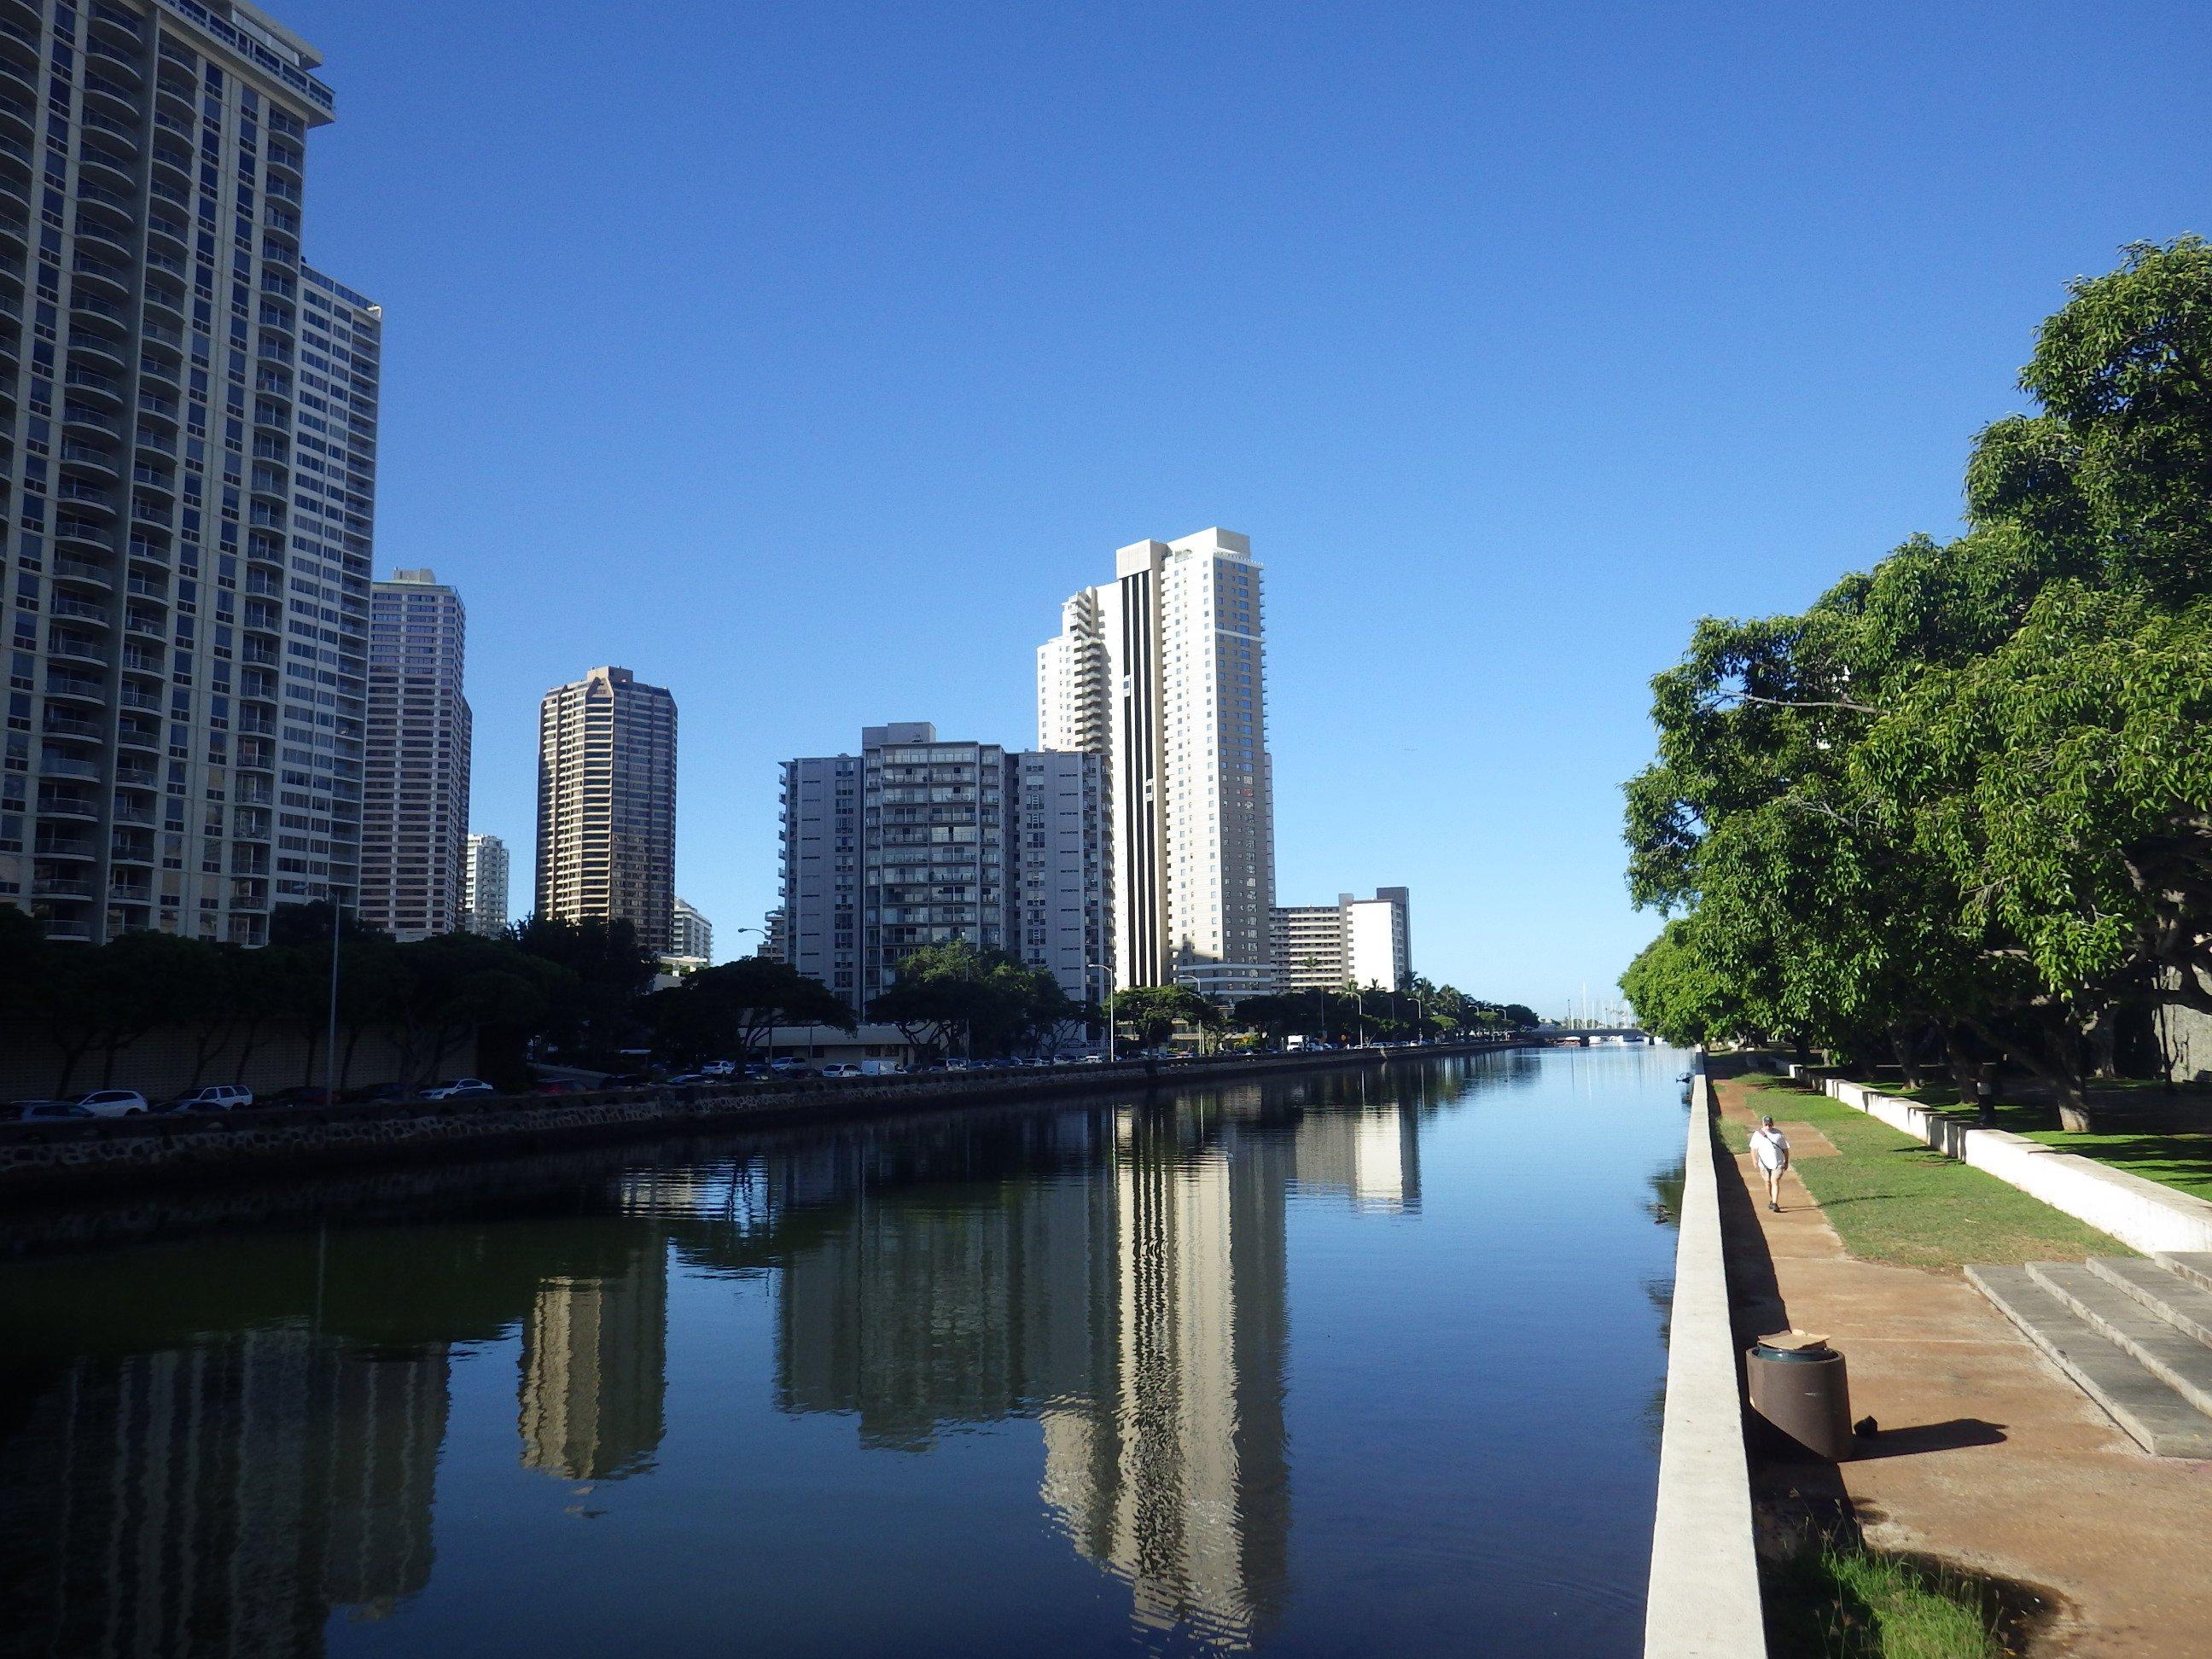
x=1163, y=672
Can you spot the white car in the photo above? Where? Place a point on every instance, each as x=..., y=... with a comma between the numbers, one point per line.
x=114, y=1103
x=216, y=1097
x=458, y=1088
x=842, y=1071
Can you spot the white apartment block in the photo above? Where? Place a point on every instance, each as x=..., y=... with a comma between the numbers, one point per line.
x=606, y=803
x=1354, y=942
x=821, y=883
x=415, y=812
x=189, y=414
x=690, y=935
x=1163, y=673
x=919, y=840
x=483, y=885
x=1060, y=889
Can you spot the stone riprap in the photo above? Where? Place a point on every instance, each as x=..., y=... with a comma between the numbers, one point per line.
x=113, y=1151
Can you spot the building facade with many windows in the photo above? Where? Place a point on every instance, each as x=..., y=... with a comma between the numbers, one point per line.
x=190, y=471
x=919, y=841
x=606, y=804
x=415, y=813
x=483, y=885
x=1162, y=674
x=690, y=935
x=1367, y=943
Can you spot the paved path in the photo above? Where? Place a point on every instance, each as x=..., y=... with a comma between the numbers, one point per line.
x=1988, y=1457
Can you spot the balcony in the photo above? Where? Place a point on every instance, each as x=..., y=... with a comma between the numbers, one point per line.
x=140, y=736
x=79, y=494
x=103, y=278
x=81, y=570
x=142, y=662
x=76, y=687
x=86, y=419
x=70, y=806
x=129, y=893
x=80, y=610
x=54, y=764
x=60, y=887
x=68, y=929
x=64, y=847
x=88, y=457
x=92, y=382
x=78, y=649
x=130, y=812
x=147, y=702
x=136, y=777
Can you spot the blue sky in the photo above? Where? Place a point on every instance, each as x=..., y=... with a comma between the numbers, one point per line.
x=802, y=358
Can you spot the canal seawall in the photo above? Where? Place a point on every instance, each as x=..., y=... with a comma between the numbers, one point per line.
x=92, y=1156
x=1702, y=1602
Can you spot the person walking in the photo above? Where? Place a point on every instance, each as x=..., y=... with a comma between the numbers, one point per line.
x=1771, y=1148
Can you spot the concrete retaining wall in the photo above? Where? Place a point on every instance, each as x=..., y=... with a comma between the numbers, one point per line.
x=95, y=1154
x=2141, y=1213
x=1704, y=1596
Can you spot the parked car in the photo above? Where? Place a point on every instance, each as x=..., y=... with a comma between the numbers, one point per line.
x=113, y=1103
x=720, y=1068
x=842, y=1071
x=304, y=1094
x=558, y=1086
x=216, y=1097
x=43, y=1111
x=756, y=1070
x=464, y=1088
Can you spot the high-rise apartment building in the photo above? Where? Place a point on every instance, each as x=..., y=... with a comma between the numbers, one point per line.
x=690, y=935
x=483, y=885
x=1355, y=941
x=606, y=803
x=1162, y=673
x=918, y=841
x=414, y=814
x=190, y=471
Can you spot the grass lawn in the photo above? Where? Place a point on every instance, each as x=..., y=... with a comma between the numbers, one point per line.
x=1892, y=1199
x=2182, y=1161
x=1860, y=1603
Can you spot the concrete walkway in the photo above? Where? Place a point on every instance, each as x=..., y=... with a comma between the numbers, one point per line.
x=1988, y=1457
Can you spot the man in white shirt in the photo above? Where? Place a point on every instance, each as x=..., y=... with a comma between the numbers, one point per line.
x=1770, y=1147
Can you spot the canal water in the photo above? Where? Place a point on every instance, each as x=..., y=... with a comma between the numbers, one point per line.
x=1364, y=1362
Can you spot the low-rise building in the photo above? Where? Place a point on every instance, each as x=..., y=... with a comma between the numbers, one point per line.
x=1355, y=941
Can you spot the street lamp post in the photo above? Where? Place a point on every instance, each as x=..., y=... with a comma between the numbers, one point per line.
x=331, y=1038
x=1106, y=1002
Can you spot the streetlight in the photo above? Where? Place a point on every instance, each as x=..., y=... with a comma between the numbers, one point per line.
x=331, y=1042
x=1105, y=1006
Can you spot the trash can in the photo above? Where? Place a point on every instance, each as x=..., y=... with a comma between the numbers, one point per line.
x=1797, y=1383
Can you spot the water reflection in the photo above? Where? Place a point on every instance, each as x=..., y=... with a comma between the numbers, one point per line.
x=222, y=1442
x=221, y=1498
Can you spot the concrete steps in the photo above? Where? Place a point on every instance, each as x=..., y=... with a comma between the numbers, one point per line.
x=2136, y=1336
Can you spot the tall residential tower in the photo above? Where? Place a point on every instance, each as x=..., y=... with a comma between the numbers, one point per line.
x=190, y=472
x=606, y=804
x=415, y=819
x=483, y=885
x=1163, y=675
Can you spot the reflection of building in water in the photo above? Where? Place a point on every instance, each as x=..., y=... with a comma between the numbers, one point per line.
x=1136, y=1304
x=219, y=1500
x=916, y=1314
x=1372, y=1155
x=594, y=1373
x=1175, y=1476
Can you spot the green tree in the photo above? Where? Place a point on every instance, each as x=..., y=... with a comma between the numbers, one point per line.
x=726, y=1012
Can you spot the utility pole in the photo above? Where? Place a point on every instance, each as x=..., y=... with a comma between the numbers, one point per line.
x=330, y=1039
